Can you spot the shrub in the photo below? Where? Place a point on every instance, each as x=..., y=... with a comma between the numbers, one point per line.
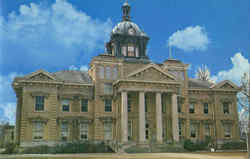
x=43, y=149
x=236, y=145
x=10, y=148
x=198, y=146
x=77, y=147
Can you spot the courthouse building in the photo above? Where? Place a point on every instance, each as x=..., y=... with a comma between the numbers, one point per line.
x=124, y=98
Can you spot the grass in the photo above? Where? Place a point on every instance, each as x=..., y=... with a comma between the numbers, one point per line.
x=205, y=155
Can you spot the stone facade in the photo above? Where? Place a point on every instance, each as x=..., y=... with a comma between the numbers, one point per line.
x=124, y=97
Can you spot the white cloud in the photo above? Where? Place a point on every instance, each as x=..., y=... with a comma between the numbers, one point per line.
x=38, y=35
x=240, y=66
x=189, y=39
x=81, y=68
x=7, y=98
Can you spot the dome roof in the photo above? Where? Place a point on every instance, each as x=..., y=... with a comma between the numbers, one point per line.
x=124, y=27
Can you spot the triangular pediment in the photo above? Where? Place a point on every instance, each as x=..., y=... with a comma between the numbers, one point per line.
x=226, y=85
x=151, y=73
x=40, y=75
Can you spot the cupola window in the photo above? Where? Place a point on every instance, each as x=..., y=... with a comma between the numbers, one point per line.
x=131, y=50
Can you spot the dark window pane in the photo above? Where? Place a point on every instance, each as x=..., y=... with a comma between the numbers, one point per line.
x=191, y=108
x=226, y=108
x=84, y=105
x=108, y=105
x=39, y=103
x=205, y=108
x=66, y=108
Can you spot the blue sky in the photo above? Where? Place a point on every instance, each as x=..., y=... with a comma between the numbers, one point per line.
x=65, y=34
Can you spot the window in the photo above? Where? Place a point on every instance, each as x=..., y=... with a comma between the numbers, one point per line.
x=205, y=108
x=192, y=130
x=227, y=130
x=108, y=88
x=147, y=131
x=108, y=72
x=137, y=52
x=108, y=105
x=191, y=108
x=101, y=72
x=179, y=105
x=130, y=129
x=180, y=128
x=65, y=105
x=108, y=131
x=39, y=103
x=129, y=103
x=226, y=108
x=146, y=102
x=164, y=130
x=124, y=51
x=84, y=129
x=115, y=73
x=64, y=131
x=84, y=107
x=207, y=130
x=163, y=104
x=131, y=51
x=37, y=131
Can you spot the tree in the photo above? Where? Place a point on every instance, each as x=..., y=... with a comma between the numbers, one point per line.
x=203, y=73
x=244, y=102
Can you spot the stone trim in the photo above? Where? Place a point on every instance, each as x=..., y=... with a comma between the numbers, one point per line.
x=38, y=118
x=152, y=66
x=139, y=81
x=107, y=119
x=39, y=93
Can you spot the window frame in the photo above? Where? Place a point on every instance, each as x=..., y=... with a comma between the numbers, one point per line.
x=108, y=128
x=207, y=130
x=206, y=108
x=108, y=72
x=62, y=105
x=193, y=131
x=83, y=130
x=39, y=103
x=180, y=128
x=192, y=110
x=115, y=72
x=86, y=106
x=101, y=74
x=36, y=131
x=226, y=111
x=108, y=105
x=146, y=100
x=129, y=100
x=130, y=129
x=62, y=131
x=108, y=88
x=229, y=128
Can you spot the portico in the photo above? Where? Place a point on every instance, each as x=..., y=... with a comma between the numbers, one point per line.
x=154, y=115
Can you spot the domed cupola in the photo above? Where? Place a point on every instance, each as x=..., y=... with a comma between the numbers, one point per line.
x=127, y=39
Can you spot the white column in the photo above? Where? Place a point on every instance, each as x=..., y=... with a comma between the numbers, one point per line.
x=158, y=118
x=141, y=117
x=124, y=117
x=175, y=119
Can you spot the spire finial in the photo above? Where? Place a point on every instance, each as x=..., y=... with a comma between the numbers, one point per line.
x=126, y=11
